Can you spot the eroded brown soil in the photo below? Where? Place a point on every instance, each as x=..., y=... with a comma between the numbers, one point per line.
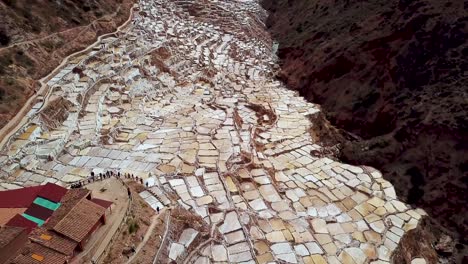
x=147, y=253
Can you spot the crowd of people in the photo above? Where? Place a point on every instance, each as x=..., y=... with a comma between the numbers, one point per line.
x=101, y=176
x=106, y=175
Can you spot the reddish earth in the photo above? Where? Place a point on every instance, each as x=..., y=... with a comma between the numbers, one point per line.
x=35, y=35
x=135, y=229
x=393, y=74
x=147, y=253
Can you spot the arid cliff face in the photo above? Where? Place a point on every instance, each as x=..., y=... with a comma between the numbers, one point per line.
x=393, y=73
x=35, y=35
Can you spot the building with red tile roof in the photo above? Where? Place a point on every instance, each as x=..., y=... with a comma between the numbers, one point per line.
x=19, y=198
x=6, y=214
x=19, y=221
x=103, y=203
x=34, y=253
x=54, y=241
x=31, y=204
x=69, y=200
x=55, y=236
x=12, y=240
x=52, y=192
x=25, y=206
x=81, y=221
x=39, y=211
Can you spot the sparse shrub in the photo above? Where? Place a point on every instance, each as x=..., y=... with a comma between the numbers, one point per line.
x=48, y=45
x=36, y=27
x=9, y=2
x=132, y=226
x=10, y=81
x=417, y=178
x=4, y=38
x=299, y=29
x=98, y=13
x=5, y=60
x=22, y=59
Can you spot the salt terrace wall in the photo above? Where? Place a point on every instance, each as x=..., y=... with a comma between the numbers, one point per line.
x=215, y=133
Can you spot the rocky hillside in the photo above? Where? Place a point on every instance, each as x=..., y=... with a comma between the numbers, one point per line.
x=394, y=75
x=35, y=35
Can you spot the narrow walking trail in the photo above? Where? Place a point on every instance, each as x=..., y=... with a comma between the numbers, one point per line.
x=167, y=222
x=154, y=221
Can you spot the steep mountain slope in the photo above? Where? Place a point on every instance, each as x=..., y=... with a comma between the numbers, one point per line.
x=35, y=35
x=393, y=73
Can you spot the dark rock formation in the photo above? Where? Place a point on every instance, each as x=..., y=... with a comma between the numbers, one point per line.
x=394, y=73
x=417, y=243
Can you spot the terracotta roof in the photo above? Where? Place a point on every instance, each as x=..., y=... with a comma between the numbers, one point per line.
x=34, y=253
x=69, y=200
x=53, y=241
x=80, y=220
x=103, y=203
x=52, y=192
x=8, y=234
x=8, y=213
x=19, y=198
x=20, y=221
x=39, y=211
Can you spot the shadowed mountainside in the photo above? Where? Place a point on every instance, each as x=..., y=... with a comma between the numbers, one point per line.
x=35, y=35
x=394, y=73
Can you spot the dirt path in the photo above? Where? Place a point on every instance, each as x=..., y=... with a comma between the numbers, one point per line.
x=149, y=232
x=29, y=41
x=168, y=223
x=20, y=118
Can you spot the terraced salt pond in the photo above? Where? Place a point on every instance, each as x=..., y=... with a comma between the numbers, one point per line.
x=185, y=98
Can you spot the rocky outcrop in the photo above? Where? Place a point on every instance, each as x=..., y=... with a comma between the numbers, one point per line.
x=429, y=243
x=392, y=73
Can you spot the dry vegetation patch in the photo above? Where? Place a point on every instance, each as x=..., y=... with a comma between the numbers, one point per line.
x=136, y=226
